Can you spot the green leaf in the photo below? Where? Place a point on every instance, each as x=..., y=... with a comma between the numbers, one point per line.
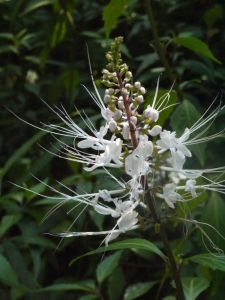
x=169, y=298
x=212, y=15
x=107, y=266
x=126, y=244
x=137, y=289
x=111, y=13
x=213, y=214
x=7, y=35
x=196, y=45
x=34, y=240
x=64, y=287
x=185, y=115
x=8, y=221
x=36, y=4
x=19, y=264
x=193, y=286
x=20, y=152
x=97, y=219
x=7, y=274
x=209, y=260
x=116, y=283
x=89, y=297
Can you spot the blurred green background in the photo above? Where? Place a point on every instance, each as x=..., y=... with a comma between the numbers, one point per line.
x=43, y=55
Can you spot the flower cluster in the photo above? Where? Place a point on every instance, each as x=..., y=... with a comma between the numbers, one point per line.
x=132, y=141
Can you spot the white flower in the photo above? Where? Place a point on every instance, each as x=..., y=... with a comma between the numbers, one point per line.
x=190, y=187
x=169, y=195
x=112, y=153
x=168, y=140
x=135, y=163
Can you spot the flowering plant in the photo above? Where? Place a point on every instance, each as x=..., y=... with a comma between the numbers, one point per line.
x=151, y=159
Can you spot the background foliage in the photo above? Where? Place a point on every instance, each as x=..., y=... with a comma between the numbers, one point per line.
x=43, y=55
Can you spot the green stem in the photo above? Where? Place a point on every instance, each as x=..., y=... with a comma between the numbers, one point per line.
x=172, y=263
x=173, y=266
x=160, y=51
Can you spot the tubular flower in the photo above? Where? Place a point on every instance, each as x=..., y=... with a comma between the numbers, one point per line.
x=125, y=142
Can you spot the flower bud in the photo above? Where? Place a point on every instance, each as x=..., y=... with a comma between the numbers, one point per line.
x=126, y=131
x=147, y=112
x=125, y=92
x=112, y=125
x=154, y=115
x=142, y=90
x=140, y=99
x=155, y=130
x=117, y=114
x=128, y=76
x=107, y=98
x=111, y=91
x=137, y=84
x=108, y=113
x=120, y=103
x=127, y=86
x=133, y=119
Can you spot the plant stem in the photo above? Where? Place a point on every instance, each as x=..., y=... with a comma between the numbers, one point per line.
x=173, y=266
x=159, y=49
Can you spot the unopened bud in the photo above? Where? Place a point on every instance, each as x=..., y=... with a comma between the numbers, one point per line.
x=155, y=130
x=117, y=114
x=142, y=90
x=112, y=125
x=154, y=115
x=108, y=113
x=126, y=131
x=147, y=112
x=140, y=99
x=128, y=76
x=111, y=91
x=127, y=86
x=125, y=92
x=120, y=104
x=107, y=98
x=137, y=84
x=133, y=119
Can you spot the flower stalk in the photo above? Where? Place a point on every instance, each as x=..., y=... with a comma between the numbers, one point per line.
x=172, y=263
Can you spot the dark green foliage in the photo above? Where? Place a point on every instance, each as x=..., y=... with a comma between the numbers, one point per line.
x=43, y=55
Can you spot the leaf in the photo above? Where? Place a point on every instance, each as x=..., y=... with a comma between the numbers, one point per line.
x=116, y=283
x=209, y=260
x=19, y=264
x=111, y=13
x=89, y=297
x=212, y=15
x=146, y=61
x=34, y=240
x=36, y=4
x=196, y=45
x=64, y=287
x=213, y=214
x=185, y=115
x=126, y=244
x=20, y=152
x=193, y=286
x=8, y=221
x=107, y=266
x=169, y=298
x=138, y=289
x=7, y=274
